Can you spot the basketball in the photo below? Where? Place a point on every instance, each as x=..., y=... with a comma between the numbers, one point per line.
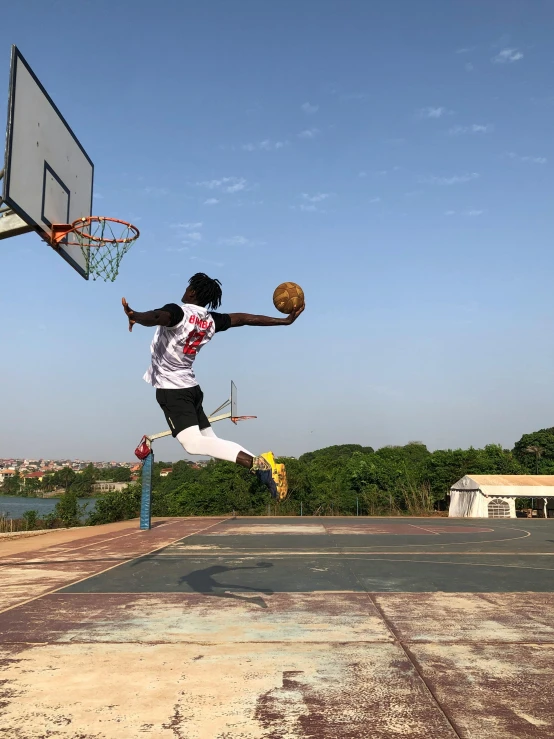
x=287, y=297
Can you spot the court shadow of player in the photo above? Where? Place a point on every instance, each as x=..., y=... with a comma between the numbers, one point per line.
x=202, y=581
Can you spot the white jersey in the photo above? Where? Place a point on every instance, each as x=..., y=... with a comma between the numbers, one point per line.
x=174, y=348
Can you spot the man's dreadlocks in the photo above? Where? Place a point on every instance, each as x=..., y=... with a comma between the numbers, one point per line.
x=207, y=291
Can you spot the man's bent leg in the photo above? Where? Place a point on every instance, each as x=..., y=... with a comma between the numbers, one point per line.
x=244, y=457
x=205, y=442
x=196, y=442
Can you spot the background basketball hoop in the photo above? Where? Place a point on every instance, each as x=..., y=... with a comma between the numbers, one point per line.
x=236, y=419
x=104, y=242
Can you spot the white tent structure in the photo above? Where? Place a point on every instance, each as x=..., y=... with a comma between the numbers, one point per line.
x=494, y=496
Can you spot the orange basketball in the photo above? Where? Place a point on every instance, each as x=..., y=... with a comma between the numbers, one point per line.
x=288, y=296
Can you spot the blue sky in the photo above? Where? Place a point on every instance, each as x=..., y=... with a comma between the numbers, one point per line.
x=394, y=158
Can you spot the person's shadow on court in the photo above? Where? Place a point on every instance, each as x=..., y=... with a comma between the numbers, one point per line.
x=202, y=581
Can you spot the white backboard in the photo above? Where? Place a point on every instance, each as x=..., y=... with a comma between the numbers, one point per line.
x=48, y=175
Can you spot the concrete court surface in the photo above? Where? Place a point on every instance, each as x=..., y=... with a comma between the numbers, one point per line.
x=277, y=628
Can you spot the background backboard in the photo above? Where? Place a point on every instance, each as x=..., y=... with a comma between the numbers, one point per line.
x=48, y=175
x=234, y=400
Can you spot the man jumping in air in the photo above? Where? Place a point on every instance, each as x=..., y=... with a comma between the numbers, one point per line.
x=182, y=331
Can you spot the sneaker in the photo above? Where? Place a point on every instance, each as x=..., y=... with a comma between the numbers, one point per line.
x=272, y=475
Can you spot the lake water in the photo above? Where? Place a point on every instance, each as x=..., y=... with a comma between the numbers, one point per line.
x=14, y=506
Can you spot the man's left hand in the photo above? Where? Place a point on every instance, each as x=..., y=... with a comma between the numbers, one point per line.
x=129, y=313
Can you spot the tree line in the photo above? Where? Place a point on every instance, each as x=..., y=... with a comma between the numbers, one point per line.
x=338, y=480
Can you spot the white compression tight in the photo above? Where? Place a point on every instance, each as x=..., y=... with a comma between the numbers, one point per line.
x=207, y=444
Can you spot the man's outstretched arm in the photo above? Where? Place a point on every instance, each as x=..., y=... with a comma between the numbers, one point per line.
x=158, y=317
x=246, y=319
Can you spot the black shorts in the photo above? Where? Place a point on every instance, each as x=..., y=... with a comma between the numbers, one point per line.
x=183, y=408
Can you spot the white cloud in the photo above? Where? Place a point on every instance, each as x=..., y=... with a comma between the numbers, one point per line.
x=362, y=174
x=192, y=236
x=308, y=208
x=211, y=201
x=474, y=128
x=187, y=226
x=464, y=50
x=236, y=187
x=317, y=198
x=469, y=67
x=234, y=241
x=527, y=159
x=507, y=56
x=473, y=213
x=309, y=133
x=265, y=145
x=225, y=184
x=431, y=112
x=309, y=108
x=375, y=200
x=98, y=196
x=454, y=180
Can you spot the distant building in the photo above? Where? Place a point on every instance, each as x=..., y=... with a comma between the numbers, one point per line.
x=33, y=476
x=166, y=472
x=4, y=474
x=107, y=486
x=494, y=496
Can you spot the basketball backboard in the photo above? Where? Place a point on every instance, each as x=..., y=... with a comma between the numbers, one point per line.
x=48, y=176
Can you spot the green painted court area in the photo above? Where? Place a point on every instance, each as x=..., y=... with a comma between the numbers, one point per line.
x=281, y=628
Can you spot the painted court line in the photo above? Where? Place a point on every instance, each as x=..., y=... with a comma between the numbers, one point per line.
x=101, y=572
x=424, y=529
x=66, y=546
x=253, y=553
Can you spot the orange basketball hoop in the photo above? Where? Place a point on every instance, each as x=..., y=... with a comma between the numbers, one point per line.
x=236, y=419
x=104, y=242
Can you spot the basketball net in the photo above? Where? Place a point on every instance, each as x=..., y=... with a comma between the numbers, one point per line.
x=103, y=241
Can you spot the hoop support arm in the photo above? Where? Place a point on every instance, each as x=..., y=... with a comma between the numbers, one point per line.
x=60, y=231
x=212, y=419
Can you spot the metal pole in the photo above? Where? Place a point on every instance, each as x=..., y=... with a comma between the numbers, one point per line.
x=301, y=508
x=146, y=497
x=357, y=507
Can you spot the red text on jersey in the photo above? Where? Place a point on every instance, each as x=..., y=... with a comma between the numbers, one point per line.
x=200, y=322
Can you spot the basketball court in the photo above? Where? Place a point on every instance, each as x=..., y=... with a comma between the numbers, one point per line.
x=281, y=627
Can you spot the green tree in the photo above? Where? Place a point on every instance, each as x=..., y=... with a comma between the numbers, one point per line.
x=116, y=506
x=68, y=509
x=32, y=486
x=537, y=451
x=48, y=485
x=12, y=485
x=530, y=461
x=84, y=481
x=30, y=518
x=63, y=478
x=114, y=474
